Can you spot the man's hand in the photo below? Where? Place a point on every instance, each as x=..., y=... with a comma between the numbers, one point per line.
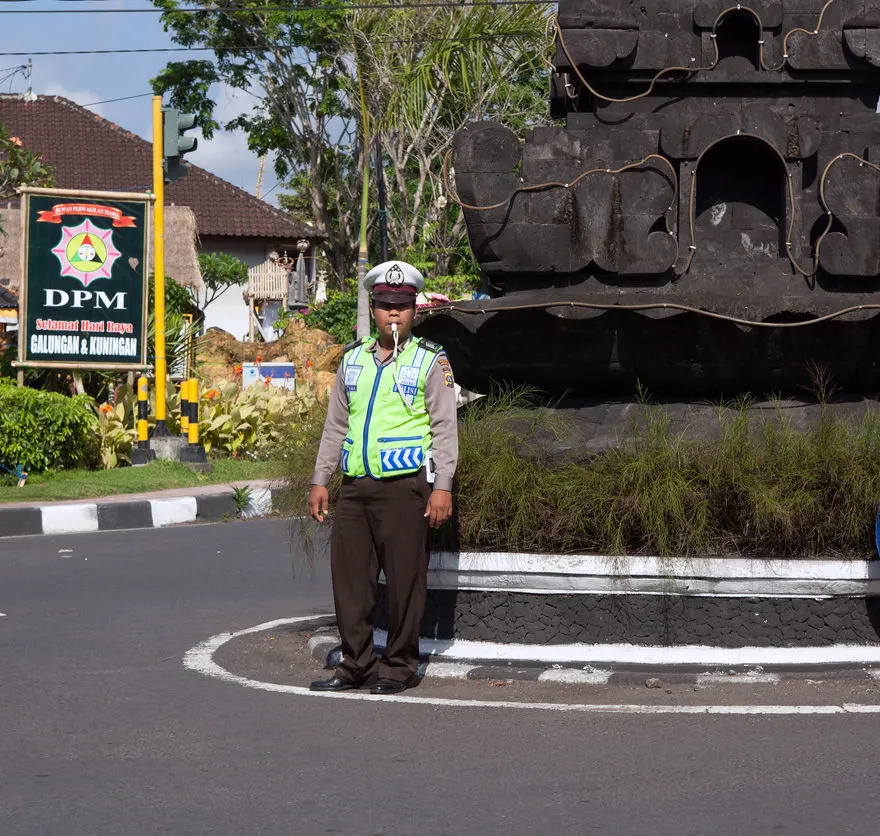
x=439, y=507
x=318, y=503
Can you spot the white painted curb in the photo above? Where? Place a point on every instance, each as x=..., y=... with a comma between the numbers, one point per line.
x=259, y=504
x=641, y=575
x=182, y=509
x=69, y=519
x=633, y=654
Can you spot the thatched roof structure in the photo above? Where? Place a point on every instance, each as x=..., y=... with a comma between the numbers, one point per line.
x=181, y=243
x=181, y=247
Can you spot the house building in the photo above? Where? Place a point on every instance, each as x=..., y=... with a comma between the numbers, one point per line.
x=87, y=151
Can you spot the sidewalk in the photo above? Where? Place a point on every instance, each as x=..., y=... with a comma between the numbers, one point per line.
x=203, y=503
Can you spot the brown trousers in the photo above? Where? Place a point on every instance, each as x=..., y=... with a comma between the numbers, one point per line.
x=380, y=524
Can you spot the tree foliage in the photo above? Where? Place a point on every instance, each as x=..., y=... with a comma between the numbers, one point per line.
x=427, y=70
x=289, y=62
x=20, y=167
x=220, y=271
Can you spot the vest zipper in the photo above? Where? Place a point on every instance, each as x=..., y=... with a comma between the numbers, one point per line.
x=367, y=422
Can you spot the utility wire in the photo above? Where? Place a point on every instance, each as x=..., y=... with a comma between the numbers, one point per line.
x=239, y=47
x=317, y=9
x=120, y=99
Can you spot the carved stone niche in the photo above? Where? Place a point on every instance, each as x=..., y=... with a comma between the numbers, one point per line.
x=754, y=204
x=597, y=48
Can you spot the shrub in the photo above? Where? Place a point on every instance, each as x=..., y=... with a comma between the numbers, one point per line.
x=45, y=430
x=457, y=286
x=337, y=316
x=116, y=430
x=254, y=421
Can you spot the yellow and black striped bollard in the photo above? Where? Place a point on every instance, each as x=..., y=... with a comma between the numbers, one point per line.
x=184, y=408
x=143, y=428
x=141, y=453
x=193, y=454
x=193, y=423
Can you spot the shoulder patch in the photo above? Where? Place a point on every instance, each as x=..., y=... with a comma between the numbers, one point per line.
x=430, y=345
x=352, y=345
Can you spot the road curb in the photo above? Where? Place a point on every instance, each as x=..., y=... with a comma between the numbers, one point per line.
x=115, y=514
x=324, y=647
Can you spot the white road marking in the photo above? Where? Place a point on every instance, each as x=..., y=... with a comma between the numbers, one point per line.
x=750, y=678
x=446, y=670
x=2, y=615
x=201, y=660
x=574, y=676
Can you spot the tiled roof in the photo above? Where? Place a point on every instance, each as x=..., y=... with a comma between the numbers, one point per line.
x=89, y=152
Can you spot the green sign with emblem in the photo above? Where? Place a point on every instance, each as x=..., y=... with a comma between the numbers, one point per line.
x=84, y=283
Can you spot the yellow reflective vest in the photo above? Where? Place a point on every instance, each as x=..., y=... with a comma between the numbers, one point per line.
x=385, y=437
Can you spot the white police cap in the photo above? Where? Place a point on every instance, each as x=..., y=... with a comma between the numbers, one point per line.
x=394, y=281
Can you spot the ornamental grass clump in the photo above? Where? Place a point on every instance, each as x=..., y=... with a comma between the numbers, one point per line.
x=505, y=502
x=760, y=488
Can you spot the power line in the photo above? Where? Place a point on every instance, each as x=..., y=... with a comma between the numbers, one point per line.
x=240, y=47
x=317, y=9
x=117, y=51
x=266, y=194
x=120, y=99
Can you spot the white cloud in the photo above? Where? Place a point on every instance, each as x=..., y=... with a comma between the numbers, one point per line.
x=226, y=154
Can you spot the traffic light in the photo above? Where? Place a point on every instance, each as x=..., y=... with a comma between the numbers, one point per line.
x=174, y=143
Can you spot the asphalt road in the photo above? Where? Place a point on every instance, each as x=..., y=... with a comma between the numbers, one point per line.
x=102, y=730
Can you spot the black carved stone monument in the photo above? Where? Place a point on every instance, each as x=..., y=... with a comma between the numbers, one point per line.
x=713, y=159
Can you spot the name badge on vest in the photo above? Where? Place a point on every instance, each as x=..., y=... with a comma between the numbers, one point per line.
x=352, y=373
x=408, y=378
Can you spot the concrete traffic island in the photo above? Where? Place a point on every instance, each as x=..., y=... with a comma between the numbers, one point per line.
x=284, y=656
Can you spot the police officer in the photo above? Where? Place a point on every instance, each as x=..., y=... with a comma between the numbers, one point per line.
x=391, y=427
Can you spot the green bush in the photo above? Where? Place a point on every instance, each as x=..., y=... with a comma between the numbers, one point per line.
x=458, y=286
x=45, y=430
x=252, y=422
x=337, y=316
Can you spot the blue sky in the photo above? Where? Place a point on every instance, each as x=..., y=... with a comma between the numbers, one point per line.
x=86, y=79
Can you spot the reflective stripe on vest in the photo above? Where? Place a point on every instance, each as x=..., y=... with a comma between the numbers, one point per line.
x=384, y=437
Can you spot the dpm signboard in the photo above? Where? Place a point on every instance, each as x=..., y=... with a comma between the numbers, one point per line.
x=84, y=282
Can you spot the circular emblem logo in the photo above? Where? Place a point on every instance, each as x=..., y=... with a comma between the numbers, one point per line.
x=86, y=252
x=394, y=276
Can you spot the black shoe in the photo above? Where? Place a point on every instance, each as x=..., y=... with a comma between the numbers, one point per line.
x=387, y=686
x=335, y=683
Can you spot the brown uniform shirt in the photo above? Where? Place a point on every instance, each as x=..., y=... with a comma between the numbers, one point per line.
x=441, y=406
